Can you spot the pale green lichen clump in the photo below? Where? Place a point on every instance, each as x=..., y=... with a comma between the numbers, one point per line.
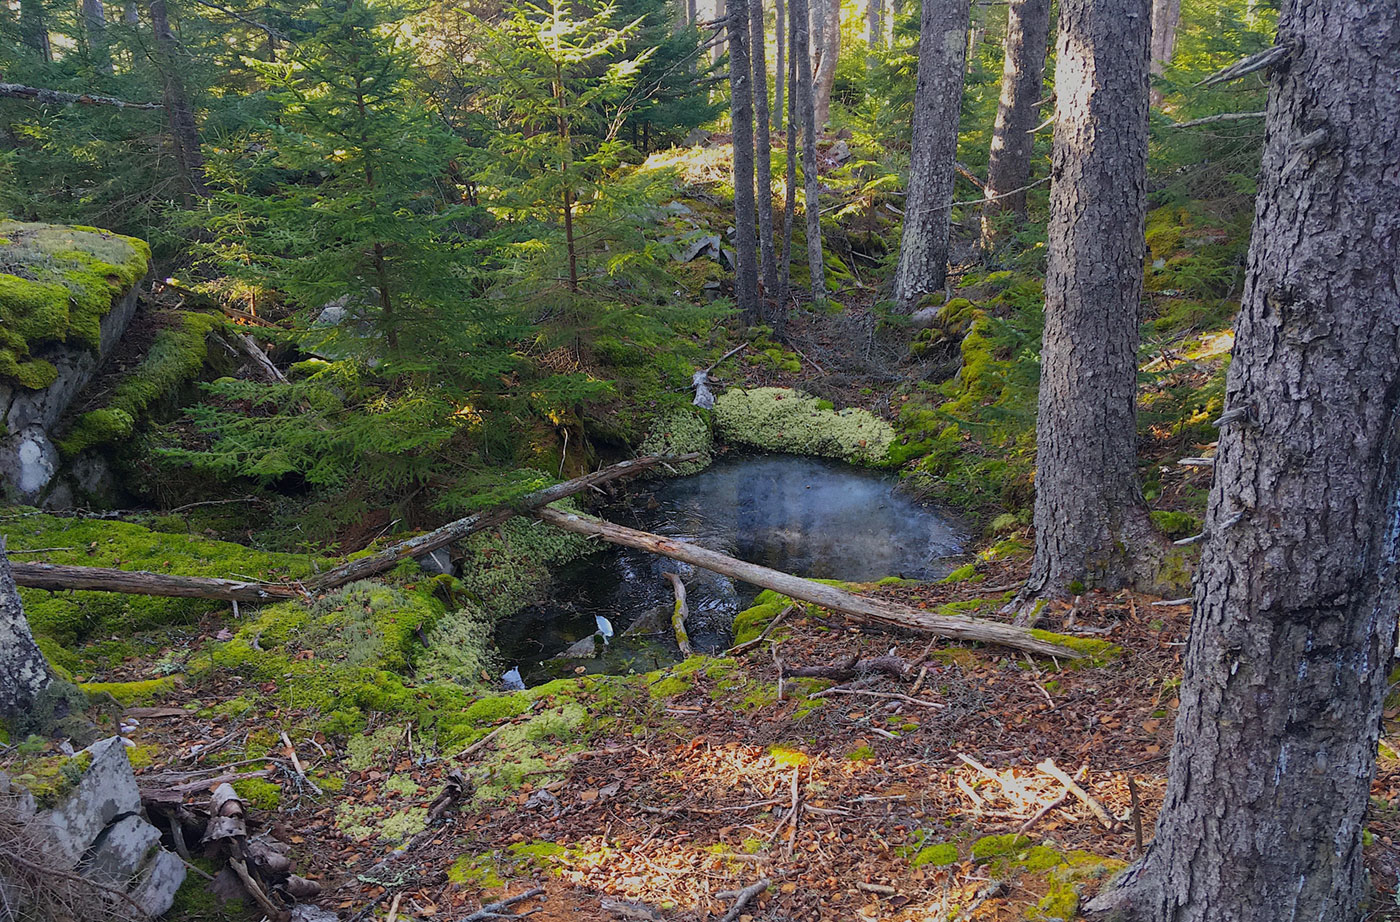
x=780, y=419
x=56, y=283
x=679, y=432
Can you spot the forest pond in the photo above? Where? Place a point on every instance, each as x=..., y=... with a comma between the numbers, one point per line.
x=814, y=518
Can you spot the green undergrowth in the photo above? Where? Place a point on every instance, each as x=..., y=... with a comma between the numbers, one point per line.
x=177, y=355
x=780, y=419
x=56, y=284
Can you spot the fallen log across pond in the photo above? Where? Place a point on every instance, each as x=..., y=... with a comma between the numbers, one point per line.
x=57, y=577
x=387, y=559
x=856, y=607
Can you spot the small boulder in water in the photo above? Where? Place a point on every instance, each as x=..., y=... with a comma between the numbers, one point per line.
x=512, y=679
x=604, y=627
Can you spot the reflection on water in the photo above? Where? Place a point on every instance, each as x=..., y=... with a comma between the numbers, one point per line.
x=814, y=518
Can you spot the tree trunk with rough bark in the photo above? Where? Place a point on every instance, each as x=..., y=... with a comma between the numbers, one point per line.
x=24, y=673
x=763, y=150
x=827, y=25
x=928, y=204
x=741, y=116
x=34, y=28
x=184, y=133
x=780, y=311
x=1018, y=111
x=806, y=117
x=1090, y=519
x=780, y=69
x=1165, y=16
x=874, y=29
x=95, y=26
x=720, y=46
x=1298, y=586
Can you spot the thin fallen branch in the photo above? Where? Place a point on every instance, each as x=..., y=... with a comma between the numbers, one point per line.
x=679, y=614
x=60, y=98
x=1054, y=771
x=56, y=577
x=853, y=668
x=750, y=644
x=479, y=744
x=497, y=909
x=893, y=696
x=260, y=360
x=858, y=608
x=742, y=898
x=296, y=765
x=452, y=532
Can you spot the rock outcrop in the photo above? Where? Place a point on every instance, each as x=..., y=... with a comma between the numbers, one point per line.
x=66, y=297
x=88, y=821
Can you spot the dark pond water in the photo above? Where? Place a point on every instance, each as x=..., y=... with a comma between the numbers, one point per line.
x=814, y=518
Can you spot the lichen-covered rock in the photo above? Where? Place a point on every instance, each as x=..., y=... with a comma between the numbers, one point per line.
x=780, y=419
x=66, y=297
x=105, y=793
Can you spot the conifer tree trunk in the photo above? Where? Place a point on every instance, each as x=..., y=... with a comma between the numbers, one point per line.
x=721, y=14
x=741, y=115
x=131, y=14
x=928, y=204
x=184, y=134
x=1165, y=16
x=1018, y=111
x=34, y=29
x=779, y=71
x=790, y=190
x=95, y=26
x=1298, y=585
x=875, y=29
x=24, y=673
x=827, y=24
x=802, y=94
x=763, y=148
x=1090, y=519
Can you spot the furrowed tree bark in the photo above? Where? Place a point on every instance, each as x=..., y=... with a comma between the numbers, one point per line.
x=923, y=245
x=827, y=16
x=780, y=69
x=1165, y=16
x=184, y=132
x=1297, y=589
x=387, y=559
x=859, y=608
x=1018, y=111
x=800, y=19
x=741, y=116
x=24, y=673
x=874, y=30
x=1090, y=519
x=763, y=150
x=59, y=577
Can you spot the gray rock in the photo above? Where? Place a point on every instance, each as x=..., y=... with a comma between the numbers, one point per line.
x=106, y=792
x=121, y=850
x=840, y=152
x=707, y=244
x=437, y=562
x=28, y=461
x=679, y=209
x=155, y=891
x=308, y=912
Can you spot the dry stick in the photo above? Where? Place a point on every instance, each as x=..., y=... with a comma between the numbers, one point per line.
x=1210, y=120
x=394, y=907
x=1137, y=813
x=742, y=898
x=876, y=694
x=456, y=531
x=493, y=910
x=679, y=614
x=796, y=813
x=296, y=764
x=476, y=747
x=1054, y=771
x=58, y=97
x=272, y=909
x=750, y=644
x=858, y=608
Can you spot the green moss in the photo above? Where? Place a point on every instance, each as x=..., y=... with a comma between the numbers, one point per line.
x=967, y=573
x=478, y=871
x=939, y=855
x=989, y=847
x=538, y=854
x=1175, y=524
x=779, y=419
x=750, y=622
x=1093, y=651
x=56, y=283
x=177, y=355
x=259, y=792
x=50, y=778
x=130, y=693
x=680, y=432
x=669, y=687
x=861, y=753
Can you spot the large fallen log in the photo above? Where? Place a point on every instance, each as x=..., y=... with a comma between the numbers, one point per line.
x=452, y=532
x=859, y=608
x=138, y=582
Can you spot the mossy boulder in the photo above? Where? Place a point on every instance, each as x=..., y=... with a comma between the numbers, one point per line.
x=781, y=419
